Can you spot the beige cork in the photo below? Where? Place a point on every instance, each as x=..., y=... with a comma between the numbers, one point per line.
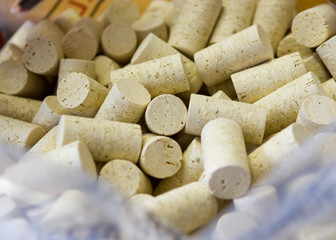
x=190, y=171
x=176, y=11
x=193, y=28
x=186, y=208
x=226, y=169
x=126, y=102
x=42, y=56
x=203, y=109
x=160, y=156
x=141, y=200
x=81, y=94
x=255, y=83
x=152, y=47
x=150, y=24
x=104, y=65
x=283, y=105
x=316, y=113
x=289, y=45
x=106, y=140
x=46, y=144
x=274, y=151
x=166, y=115
x=67, y=19
x=10, y=52
x=315, y=25
x=220, y=94
x=275, y=18
x=159, y=76
x=119, y=42
x=23, y=109
x=125, y=177
x=19, y=37
x=314, y=64
x=330, y=88
x=227, y=87
x=327, y=54
x=49, y=113
x=235, y=16
x=18, y=134
x=160, y=8
x=242, y=50
x=17, y=80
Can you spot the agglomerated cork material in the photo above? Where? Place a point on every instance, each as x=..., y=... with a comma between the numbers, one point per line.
x=327, y=54
x=289, y=45
x=314, y=64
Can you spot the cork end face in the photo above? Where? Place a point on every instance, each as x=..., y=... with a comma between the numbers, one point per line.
x=13, y=77
x=36, y=134
x=54, y=106
x=133, y=91
x=266, y=42
x=300, y=133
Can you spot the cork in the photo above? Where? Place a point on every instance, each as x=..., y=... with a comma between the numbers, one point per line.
x=104, y=65
x=152, y=47
x=227, y=87
x=81, y=94
x=186, y=208
x=330, y=88
x=69, y=65
x=106, y=140
x=314, y=64
x=141, y=200
x=289, y=45
x=242, y=50
x=67, y=19
x=275, y=18
x=19, y=37
x=46, y=144
x=126, y=102
x=166, y=115
x=273, y=152
x=49, y=113
x=17, y=80
x=258, y=202
x=177, y=9
x=255, y=83
x=190, y=171
x=125, y=177
x=42, y=56
x=150, y=24
x=10, y=52
x=20, y=108
x=220, y=94
x=283, y=105
x=193, y=28
x=235, y=17
x=226, y=169
x=160, y=8
x=314, y=26
x=18, y=134
x=159, y=76
x=203, y=109
x=119, y=42
x=160, y=156
x=326, y=53
x=317, y=113
x=183, y=139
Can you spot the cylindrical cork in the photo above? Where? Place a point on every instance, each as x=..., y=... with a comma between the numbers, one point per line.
x=203, y=109
x=190, y=171
x=17, y=80
x=49, y=113
x=160, y=156
x=126, y=102
x=314, y=64
x=317, y=112
x=125, y=177
x=289, y=45
x=274, y=17
x=18, y=134
x=106, y=140
x=46, y=144
x=81, y=94
x=68, y=65
x=220, y=94
x=119, y=42
x=273, y=152
x=330, y=88
x=242, y=50
x=177, y=9
x=160, y=8
x=67, y=19
x=226, y=169
x=227, y=87
x=10, y=52
x=23, y=109
x=327, y=54
x=104, y=66
x=19, y=37
x=150, y=24
x=166, y=115
x=193, y=28
x=283, y=105
x=42, y=56
x=235, y=16
x=315, y=25
x=255, y=83
x=153, y=47
x=159, y=76
x=186, y=208
x=140, y=200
